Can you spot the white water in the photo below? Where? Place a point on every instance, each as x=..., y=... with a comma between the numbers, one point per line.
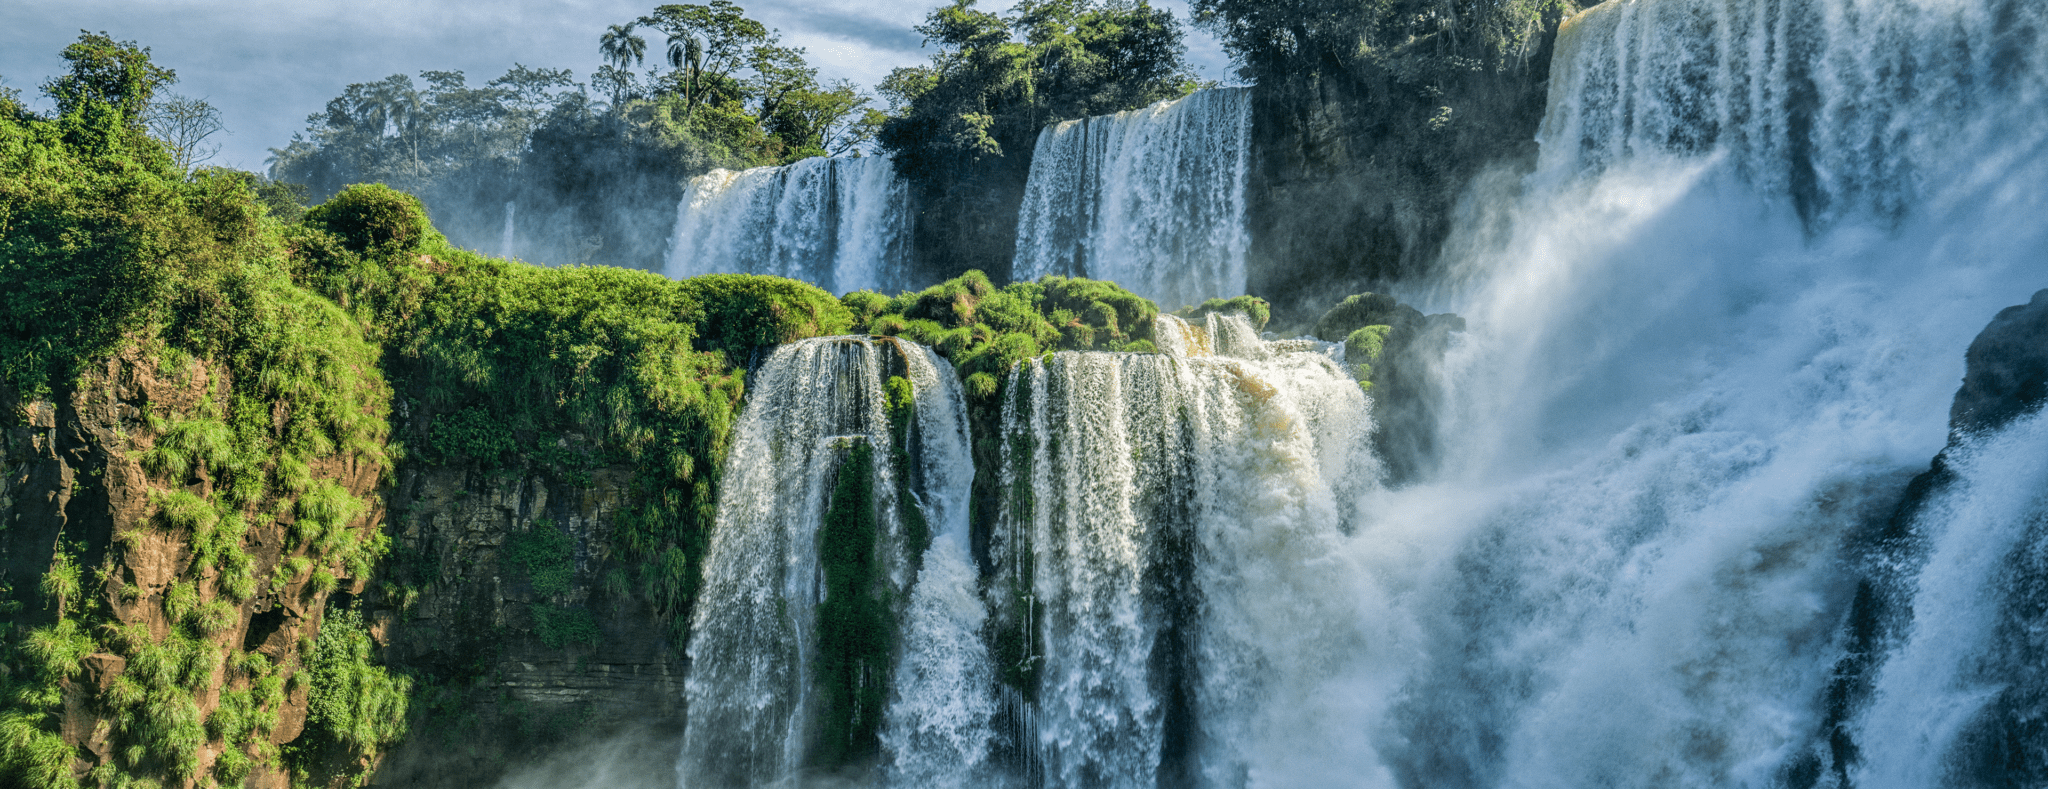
x=1710, y=339
x=1153, y=199
x=1705, y=350
x=939, y=724
x=1926, y=692
x=1149, y=477
x=750, y=675
x=506, y=238
x=842, y=224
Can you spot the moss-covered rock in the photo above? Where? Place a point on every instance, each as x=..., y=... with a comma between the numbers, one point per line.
x=1252, y=308
x=1395, y=351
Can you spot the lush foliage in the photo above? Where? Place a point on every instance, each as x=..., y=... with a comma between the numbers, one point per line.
x=352, y=702
x=1418, y=41
x=984, y=330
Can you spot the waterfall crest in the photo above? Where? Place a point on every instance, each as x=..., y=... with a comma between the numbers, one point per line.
x=841, y=224
x=820, y=410
x=1152, y=199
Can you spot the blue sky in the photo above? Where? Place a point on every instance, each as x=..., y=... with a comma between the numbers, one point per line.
x=269, y=65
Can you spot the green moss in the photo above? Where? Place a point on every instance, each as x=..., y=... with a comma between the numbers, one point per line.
x=560, y=626
x=917, y=531
x=1252, y=308
x=855, y=628
x=1364, y=346
x=545, y=556
x=1362, y=310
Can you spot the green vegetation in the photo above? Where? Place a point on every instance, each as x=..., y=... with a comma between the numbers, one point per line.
x=352, y=702
x=984, y=330
x=107, y=244
x=546, y=557
x=856, y=628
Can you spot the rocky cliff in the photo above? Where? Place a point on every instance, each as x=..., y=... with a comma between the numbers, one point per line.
x=206, y=604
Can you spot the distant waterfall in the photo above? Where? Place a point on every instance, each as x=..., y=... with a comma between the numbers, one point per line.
x=506, y=239
x=818, y=410
x=1153, y=199
x=1163, y=558
x=841, y=224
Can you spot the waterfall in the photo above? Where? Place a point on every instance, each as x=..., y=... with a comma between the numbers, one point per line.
x=821, y=410
x=1712, y=336
x=842, y=224
x=506, y=238
x=1161, y=552
x=1710, y=341
x=1152, y=199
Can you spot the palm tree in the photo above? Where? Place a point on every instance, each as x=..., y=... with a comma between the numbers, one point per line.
x=622, y=49
x=686, y=53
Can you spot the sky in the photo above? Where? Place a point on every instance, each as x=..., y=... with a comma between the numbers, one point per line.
x=268, y=65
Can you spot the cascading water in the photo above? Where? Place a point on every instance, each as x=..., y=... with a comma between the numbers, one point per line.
x=506, y=238
x=842, y=224
x=1710, y=342
x=1711, y=338
x=1162, y=548
x=1153, y=199
x=757, y=645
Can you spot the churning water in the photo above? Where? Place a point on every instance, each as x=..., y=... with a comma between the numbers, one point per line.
x=1711, y=338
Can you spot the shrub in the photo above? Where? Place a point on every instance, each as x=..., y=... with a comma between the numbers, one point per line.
x=373, y=219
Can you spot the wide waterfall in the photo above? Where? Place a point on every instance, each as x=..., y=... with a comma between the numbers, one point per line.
x=842, y=224
x=850, y=471
x=1153, y=199
x=1712, y=339
x=1670, y=542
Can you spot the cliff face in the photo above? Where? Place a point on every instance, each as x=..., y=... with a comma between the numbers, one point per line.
x=496, y=573
x=1358, y=170
x=83, y=492
x=2006, y=378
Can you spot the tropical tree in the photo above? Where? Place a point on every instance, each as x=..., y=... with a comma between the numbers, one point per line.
x=622, y=49
x=725, y=40
x=109, y=73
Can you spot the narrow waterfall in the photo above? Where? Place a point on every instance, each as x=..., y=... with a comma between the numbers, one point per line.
x=506, y=239
x=850, y=469
x=1153, y=199
x=842, y=224
x=1161, y=558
